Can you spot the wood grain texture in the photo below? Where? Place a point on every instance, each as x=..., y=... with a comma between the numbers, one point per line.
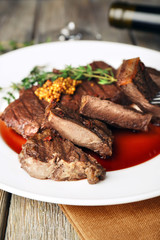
x=100, y=12
x=34, y=220
x=4, y=208
x=90, y=18
x=16, y=19
x=50, y=19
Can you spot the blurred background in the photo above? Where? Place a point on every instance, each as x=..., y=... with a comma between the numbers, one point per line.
x=25, y=22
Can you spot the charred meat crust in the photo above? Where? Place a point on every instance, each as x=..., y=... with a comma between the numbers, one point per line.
x=83, y=132
x=47, y=156
x=137, y=85
x=92, y=88
x=155, y=75
x=114, y=114
x=25, y=114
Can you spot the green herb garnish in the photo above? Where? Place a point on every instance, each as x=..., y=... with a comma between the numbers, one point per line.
x=9, y=97
x=105, y=76
x=38, y=76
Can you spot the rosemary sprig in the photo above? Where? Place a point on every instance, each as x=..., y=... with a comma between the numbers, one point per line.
x=38, y=76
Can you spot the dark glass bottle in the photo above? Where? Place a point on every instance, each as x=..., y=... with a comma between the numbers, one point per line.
x=134, y=16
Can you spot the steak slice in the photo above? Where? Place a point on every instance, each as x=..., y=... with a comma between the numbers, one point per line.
x=90, y=134
x=137, y=85
x=114, y=114
x=25, y=114
x=155, y=75
x=47, y=156
x=92, y=88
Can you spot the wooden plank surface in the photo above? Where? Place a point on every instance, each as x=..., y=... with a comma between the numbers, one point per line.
x=50, y=20
x=16, y=19
x=88, y=16
x=29, y=219
x=4, y=209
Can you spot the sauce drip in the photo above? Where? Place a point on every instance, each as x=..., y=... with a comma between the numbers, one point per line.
x=13, y=140
x=129, y=148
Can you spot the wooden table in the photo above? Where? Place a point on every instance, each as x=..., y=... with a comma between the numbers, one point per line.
x=37, y=21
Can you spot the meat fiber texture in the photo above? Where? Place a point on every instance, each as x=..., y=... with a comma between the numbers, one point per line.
x=88, y=133
x=48, y=156
x=25, y=114
x=92, y=88
x=114, y=114
x=155, y=75
x=137, y=84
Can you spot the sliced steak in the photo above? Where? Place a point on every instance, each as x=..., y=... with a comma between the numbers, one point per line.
x=102, y=65
x=111, y=91
x=137, y=85
x=47, y=156
x=92, y=88
x=155, y=75
x=114, y=114
x=25, y=114
x=90, y=134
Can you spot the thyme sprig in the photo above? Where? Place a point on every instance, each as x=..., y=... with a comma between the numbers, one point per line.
x=38, y=76
x=104, y=76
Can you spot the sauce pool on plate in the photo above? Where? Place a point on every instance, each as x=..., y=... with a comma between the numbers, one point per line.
x=13, y=140
x=129, y=148
x=132, y=148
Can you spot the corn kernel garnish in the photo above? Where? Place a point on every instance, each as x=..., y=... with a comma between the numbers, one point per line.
x=52, y=90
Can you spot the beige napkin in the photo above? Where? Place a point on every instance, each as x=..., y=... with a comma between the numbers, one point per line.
x=132, y=221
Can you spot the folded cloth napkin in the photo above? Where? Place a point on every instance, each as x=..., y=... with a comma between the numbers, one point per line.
x=138, y=220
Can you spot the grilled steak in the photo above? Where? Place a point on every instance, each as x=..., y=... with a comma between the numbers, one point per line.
x=155, y=75
x=137, y=85
x=25, y=114
x=92, y=88
x=47, y=156
x=114, y=114
x=83, y=132
x=101, y=65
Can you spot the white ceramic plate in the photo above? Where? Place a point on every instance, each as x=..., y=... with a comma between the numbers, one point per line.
x=122, y=186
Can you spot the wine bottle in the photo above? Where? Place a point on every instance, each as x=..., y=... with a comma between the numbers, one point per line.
x=135, y=16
